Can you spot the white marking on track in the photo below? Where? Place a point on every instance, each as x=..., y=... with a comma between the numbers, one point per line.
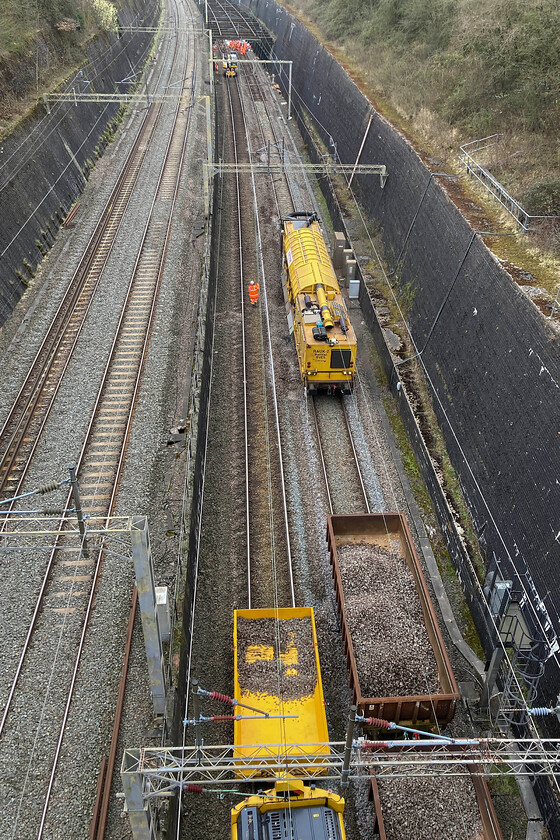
x=544, y=368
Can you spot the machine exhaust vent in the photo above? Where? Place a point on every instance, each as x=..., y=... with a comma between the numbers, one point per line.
x=280, y=825
x=331, y=832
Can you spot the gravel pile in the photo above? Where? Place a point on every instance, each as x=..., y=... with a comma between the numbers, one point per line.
x=393, y=653
x=276, y=655
x=430, y=808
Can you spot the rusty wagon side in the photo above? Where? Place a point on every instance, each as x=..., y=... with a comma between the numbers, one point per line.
x=390, y=531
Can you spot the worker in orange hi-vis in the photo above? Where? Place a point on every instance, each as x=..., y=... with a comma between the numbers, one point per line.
x=253, y=293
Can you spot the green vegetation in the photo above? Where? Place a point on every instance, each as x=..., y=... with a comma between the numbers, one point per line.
x=507, y=802
x=22, y=21
x=105, y=15
x=408, y=458
x=406, y=295
x=41, y=43
x=458, y=70
x=479, y=65
x=544, y=198
x=29, y=268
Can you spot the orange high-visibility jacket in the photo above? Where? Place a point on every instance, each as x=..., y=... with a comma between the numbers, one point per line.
x=253, y=292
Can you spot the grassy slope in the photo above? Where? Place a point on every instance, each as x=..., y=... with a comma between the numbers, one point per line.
x=35, y=53
x=22, y=20
x=452, y=71
x=461, y=69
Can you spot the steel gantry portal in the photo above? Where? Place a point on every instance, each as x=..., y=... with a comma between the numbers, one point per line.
x=149, y=774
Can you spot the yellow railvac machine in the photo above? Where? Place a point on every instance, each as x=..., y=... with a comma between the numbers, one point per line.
x=277, y=672
x=324, y=337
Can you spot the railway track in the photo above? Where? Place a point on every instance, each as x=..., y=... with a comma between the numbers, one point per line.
x=340, y=464
x=228, y=21
x=226, y=527
x=346, y=429
x=344, y=483
x=26, y=420
x=244, y=558
x=57, y=632
x=291, y=191
x=269, y=570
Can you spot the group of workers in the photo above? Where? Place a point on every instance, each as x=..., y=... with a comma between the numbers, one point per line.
x=240, y=47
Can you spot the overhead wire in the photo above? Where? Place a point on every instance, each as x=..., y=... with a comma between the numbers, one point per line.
x=380, y=449
x=276, y=600
x=196, y=559
x=405, y=604
x=392, y=489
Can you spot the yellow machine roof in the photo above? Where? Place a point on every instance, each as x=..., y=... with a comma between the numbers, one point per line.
x=308, y=259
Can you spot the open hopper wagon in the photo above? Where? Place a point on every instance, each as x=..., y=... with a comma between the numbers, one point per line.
x=374, y=534
x=277, y=672
x=472, y=814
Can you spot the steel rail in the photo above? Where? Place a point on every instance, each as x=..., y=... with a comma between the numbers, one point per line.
x=268, y=131
x=352, y=452
x=290, y=190
x=355, y=454
x=240, y=214
x=67, y=322
x=272, y=378
x=147, y=332
x=321, y=456
x=44, y=583
x=243, y=353
x=242, y=26
x=71, y=313
x=47, y=574
x=274, y=184
x=72, y=292
x=101, y=805
x=99, y=818
x=90, y=435
x=294, y=167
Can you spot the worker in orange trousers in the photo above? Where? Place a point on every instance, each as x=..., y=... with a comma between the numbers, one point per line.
x=253, y=293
